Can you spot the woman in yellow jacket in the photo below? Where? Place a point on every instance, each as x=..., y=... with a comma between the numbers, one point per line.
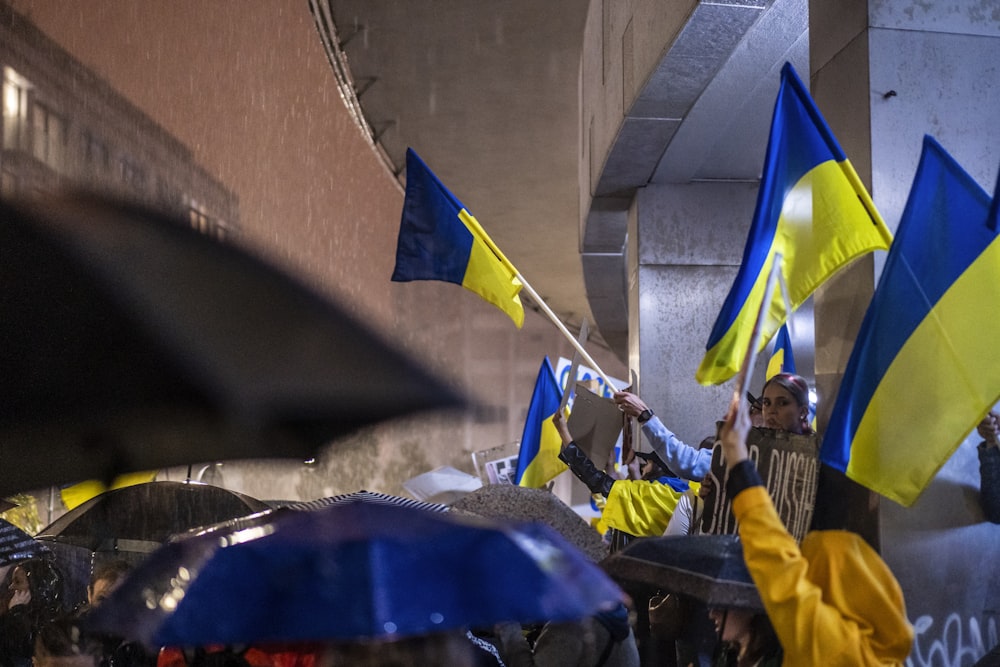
x=833, y=601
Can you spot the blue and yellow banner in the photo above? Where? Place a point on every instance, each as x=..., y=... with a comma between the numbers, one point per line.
x=924, y=369
x=782, y=360
x=538, y=459
x=440, y=240
x=812, y=209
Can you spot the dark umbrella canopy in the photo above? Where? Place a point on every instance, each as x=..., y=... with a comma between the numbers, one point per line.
x=131, y=522
x=285, y=506
x=709, y=568
x=146, y=514
x=365, y=497
x=133, y=342
x=354, y=571
x=518, y=503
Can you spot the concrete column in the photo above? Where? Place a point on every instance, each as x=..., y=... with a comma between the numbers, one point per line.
x=685, y=245
x=885, y=73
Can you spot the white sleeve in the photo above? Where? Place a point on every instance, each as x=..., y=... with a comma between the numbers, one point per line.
x=680, y=521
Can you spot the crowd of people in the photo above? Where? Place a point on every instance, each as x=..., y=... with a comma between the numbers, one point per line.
x=828, y=598
x=40, y=626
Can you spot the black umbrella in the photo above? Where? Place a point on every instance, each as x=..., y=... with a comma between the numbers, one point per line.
x=133, y=342
x=709, y=568
x=131, y=522
x=364, y=496
x=143, y=516
x=281, y=507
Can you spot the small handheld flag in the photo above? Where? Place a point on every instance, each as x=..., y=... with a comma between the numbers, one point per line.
x=538, y=460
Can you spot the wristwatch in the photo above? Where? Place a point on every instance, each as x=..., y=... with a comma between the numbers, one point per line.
x=645, y=416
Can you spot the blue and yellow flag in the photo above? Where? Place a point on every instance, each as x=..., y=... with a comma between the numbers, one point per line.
x=782, y=360
x=538, y=459
x=812, y=209
x=440, y=240
x=923, y=371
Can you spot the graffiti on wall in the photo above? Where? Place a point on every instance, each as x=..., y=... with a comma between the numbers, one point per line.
x=951, y=643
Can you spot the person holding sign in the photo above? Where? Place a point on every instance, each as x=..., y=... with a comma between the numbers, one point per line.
x=635, y=507
x=832, y=601
x=784, y=405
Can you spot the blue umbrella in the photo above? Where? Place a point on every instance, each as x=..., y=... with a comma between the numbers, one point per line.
x=17, y=545
x=354, y=571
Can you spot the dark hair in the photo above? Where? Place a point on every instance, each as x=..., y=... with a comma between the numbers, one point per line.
x=763, y=639
x=763, y=643
x=111, y=571
x=45, y=582
x=646, y=457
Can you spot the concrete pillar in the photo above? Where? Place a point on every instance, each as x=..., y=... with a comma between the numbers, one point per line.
x=685, y=245
x=884, y=74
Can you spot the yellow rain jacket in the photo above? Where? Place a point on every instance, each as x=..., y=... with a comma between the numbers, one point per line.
x=832, y=602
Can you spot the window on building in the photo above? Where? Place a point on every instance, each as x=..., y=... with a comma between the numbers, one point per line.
x=95, y=153
x=48, y=143
x=199, y=220
x=15, y=110
x=206, y=224
x=133, y=176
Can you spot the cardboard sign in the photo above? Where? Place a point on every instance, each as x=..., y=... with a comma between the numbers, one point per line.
x=595, y=424
x=788, y=464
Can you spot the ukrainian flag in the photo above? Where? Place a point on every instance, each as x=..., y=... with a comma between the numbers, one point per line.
x=924, y=369
x=538, y=459
x=782, y=360
x=440, y=240
x=812, y=209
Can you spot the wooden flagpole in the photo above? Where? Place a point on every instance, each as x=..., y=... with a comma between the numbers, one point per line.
x=565, y=332
x=751, y=356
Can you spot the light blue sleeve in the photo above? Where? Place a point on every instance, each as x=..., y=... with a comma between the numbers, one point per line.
x=682, y=459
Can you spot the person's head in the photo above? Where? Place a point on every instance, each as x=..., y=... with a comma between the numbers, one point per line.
x=750, y=631
x=785, y=403
x=106, y=578
x=60, y=643
x=650, y=466
x=42, y=581
x=732, y=625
